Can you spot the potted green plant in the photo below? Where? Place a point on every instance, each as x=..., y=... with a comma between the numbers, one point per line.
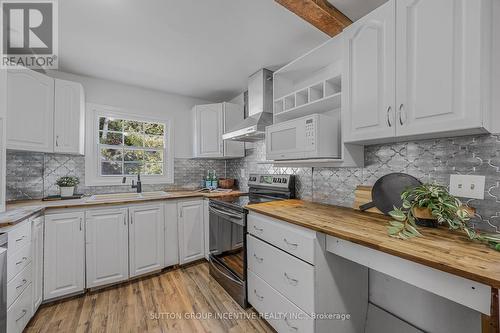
x=432, y=205
x=67, y=185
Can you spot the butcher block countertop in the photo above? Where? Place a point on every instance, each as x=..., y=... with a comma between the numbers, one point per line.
x=438, y=248
x=20, y=211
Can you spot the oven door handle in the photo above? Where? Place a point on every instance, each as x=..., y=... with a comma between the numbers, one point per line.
x=221, y=272
x=221, y=212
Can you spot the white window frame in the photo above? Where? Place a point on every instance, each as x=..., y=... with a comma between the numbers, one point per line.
x=92, y=153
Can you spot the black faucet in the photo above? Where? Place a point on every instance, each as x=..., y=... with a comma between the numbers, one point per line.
x=137, y=186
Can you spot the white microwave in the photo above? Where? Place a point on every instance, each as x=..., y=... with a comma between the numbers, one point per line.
x=312, y=137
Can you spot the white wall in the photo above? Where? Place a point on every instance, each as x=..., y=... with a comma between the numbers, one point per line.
x=496, y=66
x=143, y=101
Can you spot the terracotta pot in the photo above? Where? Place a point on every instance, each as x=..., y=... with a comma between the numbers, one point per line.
x=226, y=183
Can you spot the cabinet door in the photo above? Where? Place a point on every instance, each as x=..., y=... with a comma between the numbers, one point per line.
x=106, y=246
x=64, y=257
x=368, y=95
x=209, y=130
x=69, y=117
x=171, y=234
x=3, y=136
x=30, y=100
x=438, y=66
x=146, y=239
x=37, y=248
x=191, y=239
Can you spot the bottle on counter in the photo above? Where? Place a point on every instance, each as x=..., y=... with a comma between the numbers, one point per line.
x=215, y=180
x=208, y=180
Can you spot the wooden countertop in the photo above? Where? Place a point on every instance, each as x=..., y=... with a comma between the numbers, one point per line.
x=440, y=248
x=21, y=210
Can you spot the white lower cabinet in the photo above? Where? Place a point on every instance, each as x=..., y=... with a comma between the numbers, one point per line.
x=293, y=277
x=106, y=246
x=20, y=313
x=37, y=261
x=191, y=231
x=171, y=234
x=64, y=255
x=146, y=239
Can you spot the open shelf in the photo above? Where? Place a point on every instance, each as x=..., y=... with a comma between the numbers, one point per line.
x=328, y=103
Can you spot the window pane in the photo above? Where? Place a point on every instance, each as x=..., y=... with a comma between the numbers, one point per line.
x=154, y=129
x=151, y=141
x=153, y=156
x=134, y=140
x=134, y=155
x=133, y=126
x=111, y=154
x=132, y=168
x=153, y=169
x=110, y=138
x=110, y=124
x=111, y=168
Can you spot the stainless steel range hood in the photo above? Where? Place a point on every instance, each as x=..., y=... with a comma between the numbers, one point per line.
x=260, y=109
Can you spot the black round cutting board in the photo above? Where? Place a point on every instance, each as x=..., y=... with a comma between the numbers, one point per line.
x=386, y=193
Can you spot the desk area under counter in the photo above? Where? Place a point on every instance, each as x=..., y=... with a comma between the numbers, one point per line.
x=324, y=238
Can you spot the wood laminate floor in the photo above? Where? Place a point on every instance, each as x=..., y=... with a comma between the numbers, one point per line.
x=161, y=303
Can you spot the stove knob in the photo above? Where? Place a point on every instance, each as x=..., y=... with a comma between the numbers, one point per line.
x=284, y=180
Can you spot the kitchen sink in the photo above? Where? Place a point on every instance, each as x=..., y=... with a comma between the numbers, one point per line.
x=128, y=196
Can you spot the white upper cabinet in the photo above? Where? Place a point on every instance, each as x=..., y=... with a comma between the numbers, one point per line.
x=64, y=255
x=3, y=136
x=368, y=90
x=30, y=111
x=146, y=239
x=420, y=69
x=439, y=65
x=211, y=121
x=106, y=246
x=69, y=117
x=191, y=231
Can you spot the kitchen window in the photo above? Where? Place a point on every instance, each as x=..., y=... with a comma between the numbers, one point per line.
x=125, y=145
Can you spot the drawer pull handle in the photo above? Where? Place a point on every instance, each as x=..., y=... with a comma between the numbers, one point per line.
x=21, y=317
x=260, y=260
x=295, y=245
x=260, y=298
x=258, y=229
x=22, y=284
x=293, y=282
x=21, y=261
x=289, y=325
x=20, y=239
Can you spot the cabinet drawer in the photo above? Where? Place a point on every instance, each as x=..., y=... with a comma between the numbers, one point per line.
x=19, y=237
x=19, y=314
x=290, y=276
x=17, y=261
x=18, y=284
x=266, y=300
x=292, y=239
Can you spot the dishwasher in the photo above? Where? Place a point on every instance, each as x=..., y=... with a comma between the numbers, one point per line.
x=3, y=283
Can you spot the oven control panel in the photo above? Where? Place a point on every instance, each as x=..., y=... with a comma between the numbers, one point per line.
x=282, y=181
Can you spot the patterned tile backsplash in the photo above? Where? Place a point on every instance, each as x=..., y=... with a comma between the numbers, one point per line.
x=428, y=160
x=33, y=175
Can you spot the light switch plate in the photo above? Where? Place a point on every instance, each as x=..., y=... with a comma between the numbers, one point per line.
x=467, y=186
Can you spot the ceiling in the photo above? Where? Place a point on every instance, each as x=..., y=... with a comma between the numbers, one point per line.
x=204, y=49
x=199, y=48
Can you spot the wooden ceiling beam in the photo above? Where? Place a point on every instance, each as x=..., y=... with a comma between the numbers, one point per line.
x=320, y=13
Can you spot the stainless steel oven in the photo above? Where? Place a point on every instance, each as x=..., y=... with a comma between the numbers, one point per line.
x=228, y=228
x=227, y=249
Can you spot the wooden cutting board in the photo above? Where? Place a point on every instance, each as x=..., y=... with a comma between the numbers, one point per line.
x=363, y=195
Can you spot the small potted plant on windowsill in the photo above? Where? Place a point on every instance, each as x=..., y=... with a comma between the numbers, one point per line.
x=431, y=205
x=67, y=186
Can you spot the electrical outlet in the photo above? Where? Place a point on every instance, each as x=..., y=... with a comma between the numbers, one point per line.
x=466, y=186
x=242, y=172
